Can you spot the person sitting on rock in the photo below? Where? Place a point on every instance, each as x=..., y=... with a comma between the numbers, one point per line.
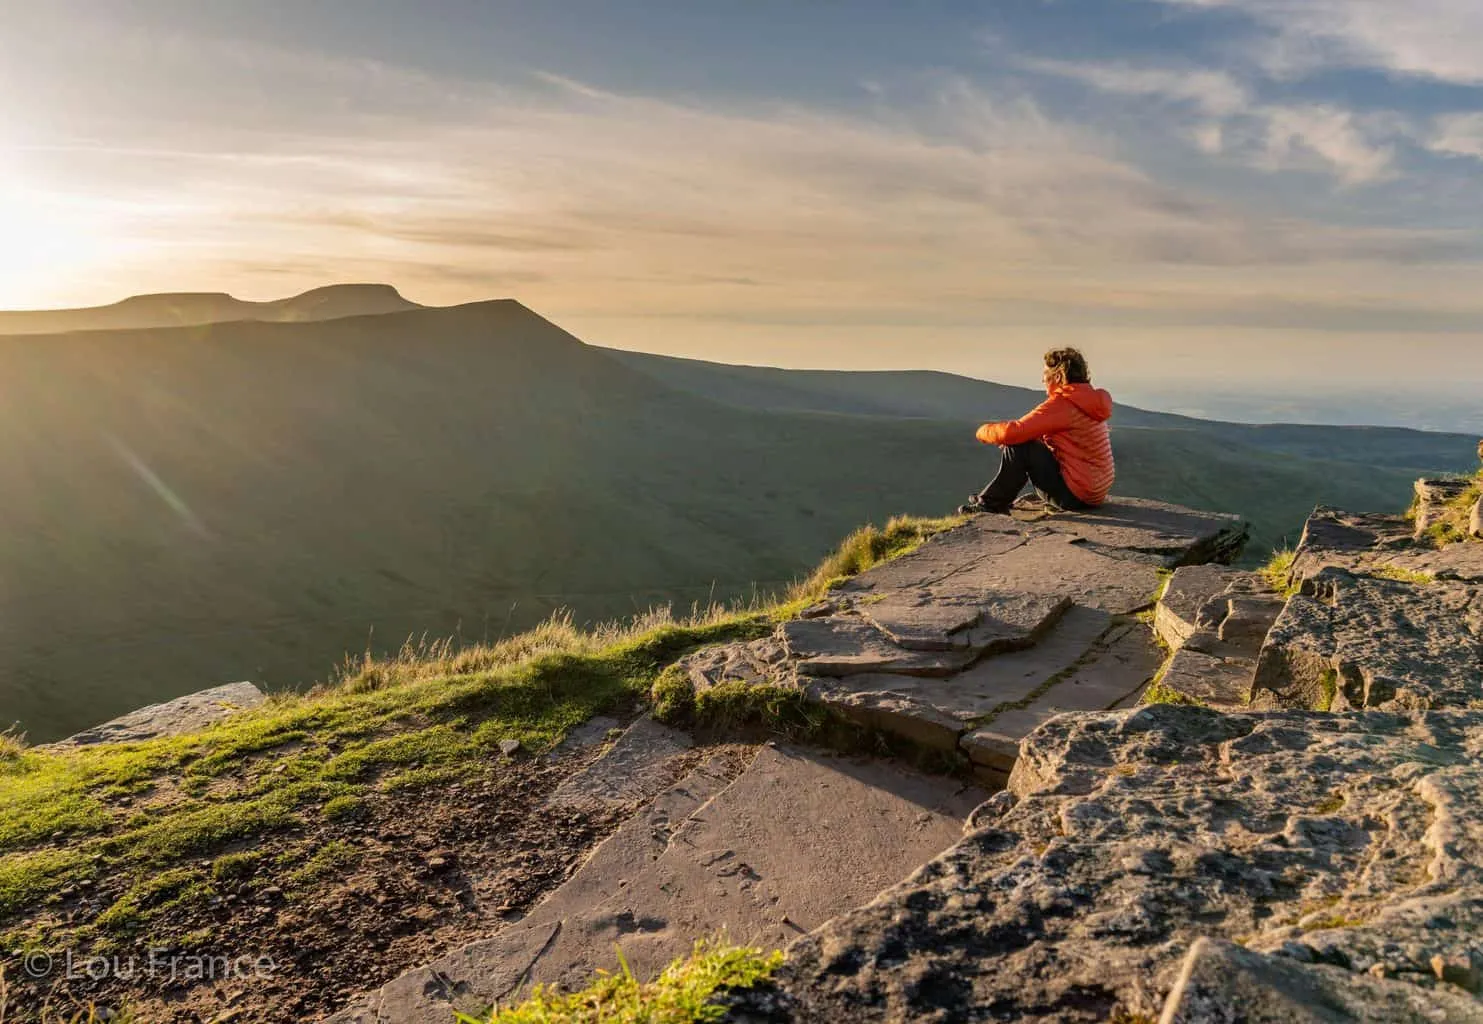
x=1061, y=446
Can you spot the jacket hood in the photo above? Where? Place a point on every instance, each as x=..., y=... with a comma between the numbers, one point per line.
x=1095, y=402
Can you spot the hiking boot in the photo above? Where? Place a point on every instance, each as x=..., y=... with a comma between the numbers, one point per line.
x=974, y=506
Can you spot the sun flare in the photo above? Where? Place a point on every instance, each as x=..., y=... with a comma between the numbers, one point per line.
x=46, y=245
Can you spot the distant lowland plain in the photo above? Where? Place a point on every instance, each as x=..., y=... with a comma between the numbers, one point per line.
x=201, y=489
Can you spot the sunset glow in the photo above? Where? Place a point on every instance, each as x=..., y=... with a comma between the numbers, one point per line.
x=942, y=193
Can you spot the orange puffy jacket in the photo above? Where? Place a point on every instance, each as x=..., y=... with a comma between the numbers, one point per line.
x=1073, y=424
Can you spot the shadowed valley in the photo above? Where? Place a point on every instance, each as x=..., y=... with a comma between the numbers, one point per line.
x=191, y=505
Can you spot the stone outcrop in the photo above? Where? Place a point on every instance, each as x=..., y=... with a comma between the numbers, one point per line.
x=1300, y=840
x=191, y=713
x=1378, y=543
x=1475, y=520
x=1433, y=498
x=1214, y=620
x=1363, y=641
x=969, y=642
x=1344, y=853
x=1223, y=983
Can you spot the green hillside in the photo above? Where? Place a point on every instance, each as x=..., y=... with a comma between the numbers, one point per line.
x=196, y=505
x=946, y=396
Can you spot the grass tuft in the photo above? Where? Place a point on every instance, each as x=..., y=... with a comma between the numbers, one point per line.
x=868, y=547
x=684, y=994
x=1278, y=572
x=12, y=748
x=333, y=858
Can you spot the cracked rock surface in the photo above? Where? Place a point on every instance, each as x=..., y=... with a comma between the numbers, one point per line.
x=1343, y=852
x=1367, y=543
x=1359, y=641
x=987, y=630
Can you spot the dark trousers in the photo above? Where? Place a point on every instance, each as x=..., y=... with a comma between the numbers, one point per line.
x=1033, y=463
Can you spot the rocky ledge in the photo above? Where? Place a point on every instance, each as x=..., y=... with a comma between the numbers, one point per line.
x=1296, y=836
x=987, y=630
x=1341, y=854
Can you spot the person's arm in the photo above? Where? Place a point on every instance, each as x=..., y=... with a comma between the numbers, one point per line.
x=1048, y=417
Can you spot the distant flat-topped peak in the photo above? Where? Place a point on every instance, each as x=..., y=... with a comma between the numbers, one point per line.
x=185, y=309
x=337, y=300
x=149, y=298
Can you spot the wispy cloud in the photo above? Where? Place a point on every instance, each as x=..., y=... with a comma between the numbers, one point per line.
x=1458, y=135
x=1210, y=91
x=1440, y=39
x=1227, y=119
x=1333, y=137
x=946, y=202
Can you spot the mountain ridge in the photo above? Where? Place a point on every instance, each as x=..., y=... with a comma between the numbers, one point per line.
x=187, y=309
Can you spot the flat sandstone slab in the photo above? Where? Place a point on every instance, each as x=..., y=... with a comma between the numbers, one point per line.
x=1349, y=840
x=982, y=619
x=797, y=839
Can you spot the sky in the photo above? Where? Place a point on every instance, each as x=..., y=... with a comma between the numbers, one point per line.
x=1279, y=193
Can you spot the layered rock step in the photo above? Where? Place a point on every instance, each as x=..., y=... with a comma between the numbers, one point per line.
x=1342, y=855
x=1214, y=620
x=969, y=642
x=1369, y=544
x=763, y=857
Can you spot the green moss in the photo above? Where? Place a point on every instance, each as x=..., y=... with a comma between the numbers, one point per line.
x=1393, y=572
x=28, y=878
x=673, y=695
x=1331, y=921
x=783, y=710
x=1329, y=804
x=235, y=865
x=1328, y=684
x=345, y=808
x=1159, y=692
x=333, y=858
x=683, y=994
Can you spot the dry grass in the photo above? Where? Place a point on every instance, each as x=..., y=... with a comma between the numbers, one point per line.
x=52, y=1013
x=12, y=748
x=423, y=658
x=869, y=546
x=1278, y=571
